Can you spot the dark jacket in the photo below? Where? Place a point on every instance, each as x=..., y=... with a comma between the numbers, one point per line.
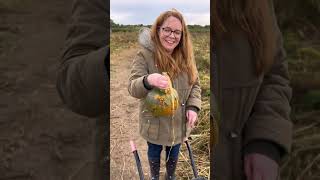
x=253, y=111
x=82, y=76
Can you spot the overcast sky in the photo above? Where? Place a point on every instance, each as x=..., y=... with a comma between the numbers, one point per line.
x=146, y=11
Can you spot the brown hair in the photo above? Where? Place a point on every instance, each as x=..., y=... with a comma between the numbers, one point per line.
x=182, y=58
x=255, y=19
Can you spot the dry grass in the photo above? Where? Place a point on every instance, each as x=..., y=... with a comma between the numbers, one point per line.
x=303, y=56
x=304, y=160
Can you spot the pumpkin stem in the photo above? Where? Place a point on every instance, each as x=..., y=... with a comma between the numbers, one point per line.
x=170, y=83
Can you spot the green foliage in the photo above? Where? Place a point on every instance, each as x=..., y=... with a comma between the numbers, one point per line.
x=299, y=22
x=198, y=28
x=133, y=28
x=294, y=13
x=16, y=6
x=309, y=53
x=311, y=99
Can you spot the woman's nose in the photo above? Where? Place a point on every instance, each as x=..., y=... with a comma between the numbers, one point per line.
x=172, y=35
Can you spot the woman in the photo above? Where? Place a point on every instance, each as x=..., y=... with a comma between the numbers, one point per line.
x=166, y=48
x=251, y=85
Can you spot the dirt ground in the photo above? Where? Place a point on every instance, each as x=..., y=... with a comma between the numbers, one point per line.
x=124, y=120
x=39, y=137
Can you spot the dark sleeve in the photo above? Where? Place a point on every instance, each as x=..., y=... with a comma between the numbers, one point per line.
x=146, y=83
x=267, y=148
x=270, y=119
x=81, y=78
x=193, y=108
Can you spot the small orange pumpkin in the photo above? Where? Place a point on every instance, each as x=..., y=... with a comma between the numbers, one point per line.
x=162, y=102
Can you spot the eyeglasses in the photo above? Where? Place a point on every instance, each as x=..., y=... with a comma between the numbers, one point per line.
x=167, y=32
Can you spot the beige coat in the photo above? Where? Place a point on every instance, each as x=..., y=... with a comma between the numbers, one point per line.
x=161, y=130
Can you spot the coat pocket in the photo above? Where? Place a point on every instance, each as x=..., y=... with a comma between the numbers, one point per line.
x=186, y=128
x=150, y=126
x=185, y=131
x=153, y=129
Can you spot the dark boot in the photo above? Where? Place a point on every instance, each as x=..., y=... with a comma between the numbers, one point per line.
x=171, y=165
x=154, y=168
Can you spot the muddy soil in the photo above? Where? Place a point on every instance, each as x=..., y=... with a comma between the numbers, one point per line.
x=124, y=120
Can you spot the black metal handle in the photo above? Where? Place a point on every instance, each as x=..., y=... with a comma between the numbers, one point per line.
x=194, y=169
x=138, y=162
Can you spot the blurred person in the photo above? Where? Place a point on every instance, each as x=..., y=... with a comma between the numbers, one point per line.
x=82, y=78
x=250, y=90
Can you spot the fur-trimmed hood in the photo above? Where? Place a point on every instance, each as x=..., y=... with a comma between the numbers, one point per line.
x=145, y=39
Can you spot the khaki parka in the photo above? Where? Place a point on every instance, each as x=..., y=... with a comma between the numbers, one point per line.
x=161, y=130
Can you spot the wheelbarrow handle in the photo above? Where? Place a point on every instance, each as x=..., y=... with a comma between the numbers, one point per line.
x=138, y=162
x=194, y=169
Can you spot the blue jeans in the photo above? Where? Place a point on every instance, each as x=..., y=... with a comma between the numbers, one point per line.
x=154, y=151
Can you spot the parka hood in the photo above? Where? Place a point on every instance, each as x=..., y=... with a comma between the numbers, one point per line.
x=145, y=39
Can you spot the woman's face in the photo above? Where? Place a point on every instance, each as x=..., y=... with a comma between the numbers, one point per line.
x=170, y=33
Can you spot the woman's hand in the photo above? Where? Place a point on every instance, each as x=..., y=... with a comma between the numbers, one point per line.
x=158, y=80
x=258, y=167
x=192, y=118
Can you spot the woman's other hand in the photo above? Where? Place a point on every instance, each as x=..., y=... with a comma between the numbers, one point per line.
x=192, y=118
x=258, y=167
x=158, y=80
